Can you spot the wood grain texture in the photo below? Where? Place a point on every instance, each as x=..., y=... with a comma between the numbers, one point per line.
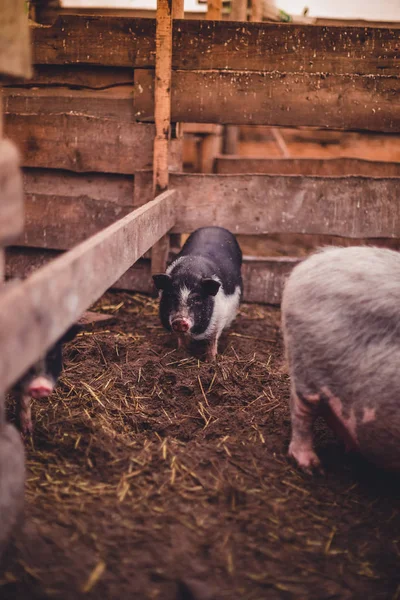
x=11, y=193
x=22, y=262
x=259, y=204
x=306, y=166
x=87, y=204
x=80, y=143
x=162, y=118
x=276, y=99
x=36, y=312
x=221, y=45
x=263, y=278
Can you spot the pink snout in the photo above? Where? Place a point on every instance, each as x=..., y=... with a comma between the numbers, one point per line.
x=180, y=325
x=40, y=387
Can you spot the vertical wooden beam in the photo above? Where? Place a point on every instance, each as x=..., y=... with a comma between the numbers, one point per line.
x=239, y=10
x=178, y=10
x=162, y=116
x=256, y=10
x=214, y=10
x=231, y=133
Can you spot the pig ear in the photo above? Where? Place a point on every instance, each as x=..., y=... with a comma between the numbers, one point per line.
x=71, y=333
x=210, y=286
x=161, y=281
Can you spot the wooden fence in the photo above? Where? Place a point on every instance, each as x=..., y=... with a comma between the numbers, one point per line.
x=85, y=127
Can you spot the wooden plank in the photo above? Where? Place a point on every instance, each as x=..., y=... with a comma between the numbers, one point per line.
x=109, y=104
x=11, y=193
x=238, y=10
x=327, y=167
x=256, y=10
x=258, y=204
x=87, y=204
x=35, y=313
x=263, y=277
x=22, y=262
x=281, y=47
x=276, y=99
x=178, y=9
x=214, y=10
x=15, y=50
x=81, y=143
x=354, y=207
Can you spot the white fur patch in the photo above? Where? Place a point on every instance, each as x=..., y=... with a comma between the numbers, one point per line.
x=184, y=294
x=173, y=265
x=225, y=309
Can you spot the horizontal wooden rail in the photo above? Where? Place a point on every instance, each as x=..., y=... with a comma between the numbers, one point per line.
x=220, y=45
x=276, y=98
x=81, y=131
x=354, y=207
x=36, y=312
x=325, y=167
x=223, y=72
x=264, y=277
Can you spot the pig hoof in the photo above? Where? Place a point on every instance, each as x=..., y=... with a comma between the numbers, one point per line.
x=306, y=459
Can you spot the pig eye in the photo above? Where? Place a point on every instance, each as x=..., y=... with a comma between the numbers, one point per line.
x=196, y=299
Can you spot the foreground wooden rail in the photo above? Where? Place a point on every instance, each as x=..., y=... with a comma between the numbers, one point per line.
x=36, y=312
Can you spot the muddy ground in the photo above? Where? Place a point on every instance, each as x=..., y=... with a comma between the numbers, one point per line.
x=156, y=476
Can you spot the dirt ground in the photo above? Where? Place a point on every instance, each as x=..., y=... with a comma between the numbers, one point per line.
x=152, y=475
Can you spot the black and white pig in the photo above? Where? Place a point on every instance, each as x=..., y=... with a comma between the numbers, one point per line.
x=40, y=380
x=341, y=326
x=201, y=290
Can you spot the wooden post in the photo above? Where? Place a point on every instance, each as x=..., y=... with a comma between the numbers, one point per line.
x=256, y=10
x=162, y=117
x=214, y=10
x=178, y=11
x=239, y=10
x=231, y=133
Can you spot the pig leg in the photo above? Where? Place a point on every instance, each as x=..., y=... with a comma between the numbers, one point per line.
x=25, y=414
x=212, y=349
x=303, y=413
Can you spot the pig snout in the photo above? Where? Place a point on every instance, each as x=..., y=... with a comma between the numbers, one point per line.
x=181, y=325
x=40, y=387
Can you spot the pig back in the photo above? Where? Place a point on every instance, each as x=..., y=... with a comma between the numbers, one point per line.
x=340, y=313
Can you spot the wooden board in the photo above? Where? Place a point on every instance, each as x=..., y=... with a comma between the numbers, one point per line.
x=11, y=193
x=306, y=166
x=36, y=312
x=263, y=277
x=80, y=143
x=63, y=209
x=81, y=129
x=257, y=204
x=22, y=261
x=114, y=103
x=276, y=99
x=354, y=207
x=221, y=45
x=15, y=49
x=162, y=117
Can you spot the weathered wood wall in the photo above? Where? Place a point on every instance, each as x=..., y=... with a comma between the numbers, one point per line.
x=85, y=128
